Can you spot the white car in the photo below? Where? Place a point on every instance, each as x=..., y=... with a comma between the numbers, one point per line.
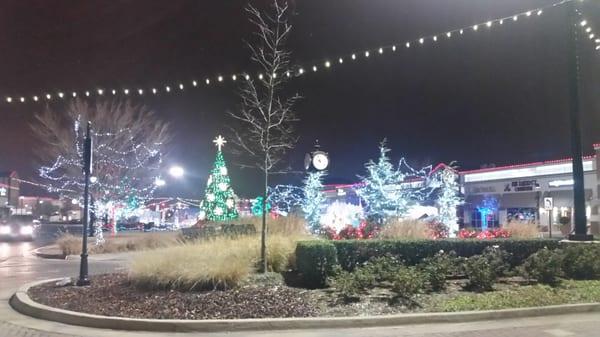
x=18, y=227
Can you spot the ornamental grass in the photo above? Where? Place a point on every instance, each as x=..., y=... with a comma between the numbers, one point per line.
x=218, y=263
x=70, y=244
x=405, y=229
x=521, y=230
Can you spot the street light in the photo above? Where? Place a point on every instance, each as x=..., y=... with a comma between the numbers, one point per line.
x=159, y=182
x=176, y=171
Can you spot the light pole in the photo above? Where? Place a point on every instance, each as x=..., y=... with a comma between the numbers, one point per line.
x=87, y=170
x=574, y=119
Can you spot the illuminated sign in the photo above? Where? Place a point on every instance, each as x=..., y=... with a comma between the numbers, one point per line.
x=2, y=191
x=530, y=171
x=560, y=183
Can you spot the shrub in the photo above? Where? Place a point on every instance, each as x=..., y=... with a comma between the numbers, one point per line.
x=316, y=260
x=438, y=268
x=545, y=266
x=497, y=233
x=352, y=253
x=69, y=244
x=218, y=263
x=483, y=270
x=523, y=230
x=404, y=229
x=351, y=285
x=382, y=268
x=408, y=281
x=582, y=261
x=438, y=230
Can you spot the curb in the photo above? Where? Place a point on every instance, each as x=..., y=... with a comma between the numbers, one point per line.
x=57, y=256
x=22, y=303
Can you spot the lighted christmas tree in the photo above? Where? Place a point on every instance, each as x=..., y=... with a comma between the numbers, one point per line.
x=219, y=202
x=314, y=199
x=448, y=198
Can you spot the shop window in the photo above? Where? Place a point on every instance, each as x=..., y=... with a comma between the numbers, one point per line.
x=525, y=215
x=478, y=220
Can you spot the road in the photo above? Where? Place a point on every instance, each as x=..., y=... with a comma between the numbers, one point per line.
x=18, y=266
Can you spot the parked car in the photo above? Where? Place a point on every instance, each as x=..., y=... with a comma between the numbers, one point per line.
x=18, y=227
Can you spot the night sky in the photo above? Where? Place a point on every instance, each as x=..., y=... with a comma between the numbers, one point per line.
x=495, y=96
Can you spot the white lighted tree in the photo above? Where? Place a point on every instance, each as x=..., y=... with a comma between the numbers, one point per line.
x=448, y=198
x=314, y=199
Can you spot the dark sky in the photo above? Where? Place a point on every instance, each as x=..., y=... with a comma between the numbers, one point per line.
x=495, y=96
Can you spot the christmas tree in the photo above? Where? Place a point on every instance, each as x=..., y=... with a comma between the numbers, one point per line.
x=219, y=203
x=448, y=199
x=314, y=199
x=382, y=189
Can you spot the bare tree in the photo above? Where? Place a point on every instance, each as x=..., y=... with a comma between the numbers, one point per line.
x=265, y=119
x=128, y=140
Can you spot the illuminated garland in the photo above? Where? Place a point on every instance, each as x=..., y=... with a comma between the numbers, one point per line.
x=298, y=70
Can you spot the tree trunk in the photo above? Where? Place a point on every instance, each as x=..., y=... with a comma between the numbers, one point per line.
x=263, y=232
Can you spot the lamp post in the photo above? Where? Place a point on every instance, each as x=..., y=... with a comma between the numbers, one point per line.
x=574, y=107
x=87, y=170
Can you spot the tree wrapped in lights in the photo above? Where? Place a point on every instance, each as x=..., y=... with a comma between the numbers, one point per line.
x=219, y=199
x=385, y=189
x=314, y=199
x=128, y=140
x=448, y=198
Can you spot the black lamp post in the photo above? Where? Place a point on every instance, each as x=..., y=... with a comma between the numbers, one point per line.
x=87, y=171
x=574, y=107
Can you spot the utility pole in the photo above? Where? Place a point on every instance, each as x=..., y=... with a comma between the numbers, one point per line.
x=574, y=119
x=87, y=171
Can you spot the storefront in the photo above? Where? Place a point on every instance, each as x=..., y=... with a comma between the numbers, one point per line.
x=535, y=192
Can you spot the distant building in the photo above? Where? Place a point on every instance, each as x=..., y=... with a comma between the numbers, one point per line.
x=9, y=191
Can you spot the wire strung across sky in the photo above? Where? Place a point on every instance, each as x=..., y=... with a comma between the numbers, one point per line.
x=302, y=69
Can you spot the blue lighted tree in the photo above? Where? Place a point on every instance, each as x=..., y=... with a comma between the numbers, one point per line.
x=314, y=199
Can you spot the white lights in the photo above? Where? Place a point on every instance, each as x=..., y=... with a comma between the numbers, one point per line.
x=274, y=75
x=35, y=98
x=475, y=27
x=87, y=93
x=4, y=230
x=528, y=13
x=588, y=29
x=300, y=71
x=48, y=96
x=394, y=48
x=260, y=76
x=176, y=171
x=501, y=21
x=75, y=201
x=380, y=50
x=93, y=179
x=489, y=23
x=247, y=77
x=194, y=83
x=159, y=182
x=460, y=32
x=220, y=78
x=114, y=92
x=22, y=99
x=592, y=36
x=340, y=60
x=449, y=34
x=26, y=230
x=180, y=86
x=314, y=68
x=74, y=95
x=583, y=23
x=234, y=77
x=125, y=91
x=560, y=183
x=407, y=44
x=140, y=91
x=207, y=81
x=367, y=53
x=421, y=40
x=327, y=64
x=154, y=91
x=522, y=172
x=434, y=38
x=597, y=47
x=539, y=12
x=168, y=88
x=61, y=95
x=100, y=91
x=353, y=56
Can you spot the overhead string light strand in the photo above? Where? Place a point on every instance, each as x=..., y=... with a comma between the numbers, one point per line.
x=300, y=69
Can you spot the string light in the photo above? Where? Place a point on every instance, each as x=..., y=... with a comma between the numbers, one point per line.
x=327, y=63
x=60, y=94
x=180, y=86
x=141, y=91
x=9, y=99
x=22, y=99
x=74, y=95
x=87, y=93
x=35, y=98
x=126, y=91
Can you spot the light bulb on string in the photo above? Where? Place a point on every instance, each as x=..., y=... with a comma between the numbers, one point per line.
x=9, y=99
x=475, y=27
x=61, y=95
x=367, y=53
x=287, y=73
x=126, y=91
x=168, y=88
x=180, y=86
x=341, y=60
x=327, y=64
x=407, y=44
x=380, y=50
x=140, y=91
x=48, y=96
x=592, y=36
x=434, y=38
x=301, y=71
x=449, y=34
x=74, y=95
x=501, y=21
x=87, y=93
x=260, y=76
x=22, y=99
x=207, y=81
x=460, y=32
x=247, y=77
x=35, y=98
x=515, y=18
x=233, y=77
x=274, y=75
x=100, y=91
x=314, y=68
x=489, y=23
x=394, y=48
x=583, y=23
x=194, y=83
x=114, y=92
x=588, y=29
x=154, y=91
x=539, y=12
x=220, y=78
x=528, y=13
x=353, y=56
x=421, y=40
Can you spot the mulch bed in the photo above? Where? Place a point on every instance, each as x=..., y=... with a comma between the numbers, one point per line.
x=112, y=295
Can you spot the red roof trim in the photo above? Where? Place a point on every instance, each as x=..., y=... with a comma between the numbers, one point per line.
x=539, y=163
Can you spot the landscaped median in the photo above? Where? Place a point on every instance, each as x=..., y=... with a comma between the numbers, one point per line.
x=210, y=285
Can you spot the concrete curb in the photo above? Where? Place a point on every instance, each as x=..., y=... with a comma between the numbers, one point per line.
x=22, y=303
x=37, y=252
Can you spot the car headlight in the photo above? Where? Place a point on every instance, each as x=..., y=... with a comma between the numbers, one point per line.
x=4, y=230
x=26, y=230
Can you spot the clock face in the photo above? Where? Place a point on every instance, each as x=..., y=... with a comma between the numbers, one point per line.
x=320, y=161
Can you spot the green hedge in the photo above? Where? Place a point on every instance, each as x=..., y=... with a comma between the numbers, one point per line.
x=315, y=260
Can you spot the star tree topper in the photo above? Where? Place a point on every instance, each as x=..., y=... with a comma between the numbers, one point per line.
x=219, y=142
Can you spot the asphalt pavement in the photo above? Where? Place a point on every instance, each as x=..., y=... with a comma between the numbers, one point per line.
x=18, y=266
